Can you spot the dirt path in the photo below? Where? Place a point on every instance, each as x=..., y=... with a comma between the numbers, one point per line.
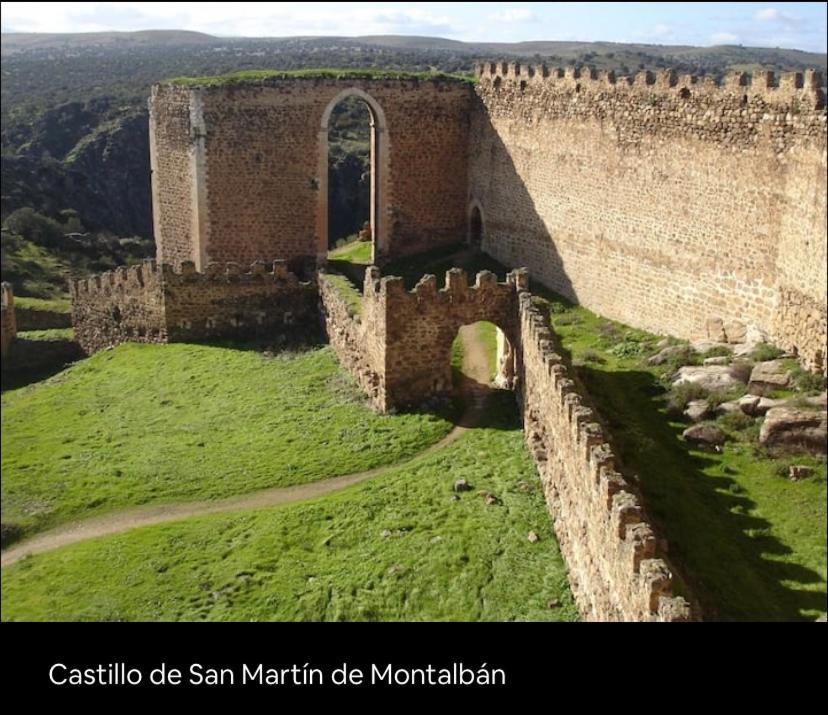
x=476, y=378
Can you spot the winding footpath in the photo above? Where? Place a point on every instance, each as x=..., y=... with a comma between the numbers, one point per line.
x=474, y=387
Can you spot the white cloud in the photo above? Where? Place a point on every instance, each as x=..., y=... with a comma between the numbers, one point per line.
x=275, y=19
x=724, y=38
x=768, y=13
x=516, y=14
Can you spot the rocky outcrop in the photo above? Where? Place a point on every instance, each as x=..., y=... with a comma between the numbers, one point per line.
x=788, y=429
x=768, y=376
x=711, y=377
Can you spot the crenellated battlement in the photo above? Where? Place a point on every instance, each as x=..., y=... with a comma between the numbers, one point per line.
x=772, y=88
x=151, y=302
x=138, y=276
x=609, y=545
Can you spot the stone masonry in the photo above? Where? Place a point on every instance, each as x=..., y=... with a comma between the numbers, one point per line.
x=157, y=304
x=8, y=324
x=398, y=349
x=660, y=201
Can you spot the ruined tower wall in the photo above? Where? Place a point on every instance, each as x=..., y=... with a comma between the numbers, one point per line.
x=172, y=160
x=661, y=202
x=256, y=165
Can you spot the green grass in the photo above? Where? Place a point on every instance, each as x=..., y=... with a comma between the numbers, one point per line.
x=261, y=76
x=488, y=334
x=52, y=305
x=751, y=543
x=354, y=252
x=152, y=423
x=348, y=291
x=395, y=548
x=50, y=334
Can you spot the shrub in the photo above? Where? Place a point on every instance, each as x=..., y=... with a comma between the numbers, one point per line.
x=807, y=381
x=593, y=357
x=718, y=351
x=765, y=351
x=735, y=421
x=716, y=398
x=626, y=349
x=681, y=394
x=34, y=227
x=741, y=370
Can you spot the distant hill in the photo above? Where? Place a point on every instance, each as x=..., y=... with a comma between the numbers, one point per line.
x=73, y=125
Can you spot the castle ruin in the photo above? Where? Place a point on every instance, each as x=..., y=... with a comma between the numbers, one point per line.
x=673, y=204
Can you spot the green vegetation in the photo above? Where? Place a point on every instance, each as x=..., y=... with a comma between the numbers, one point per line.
x=149, y=423
x=396, y=548
x=353, y=252
x=750, y=543
x=348, y=291
x=50, y=334
x=261, y=76
x=488, y=335
x=52, y=305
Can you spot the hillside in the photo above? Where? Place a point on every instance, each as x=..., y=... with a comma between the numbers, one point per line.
x=73, y=127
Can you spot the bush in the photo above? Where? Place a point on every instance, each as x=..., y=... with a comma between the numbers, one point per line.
x=714, y=399
x=735, y=421
x=764, y=352
x=741, y=370
x=807, y=381
x=593, y=357
x=681, y=394
x=34, y=227
x=718, y=351
x=626, y=349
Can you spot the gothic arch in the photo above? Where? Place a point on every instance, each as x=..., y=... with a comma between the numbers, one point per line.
x=379, y=175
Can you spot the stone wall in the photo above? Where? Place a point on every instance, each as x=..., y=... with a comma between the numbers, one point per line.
x=126, y=304
x=660, y=201
x=609, y=547
x=399, y=350
x=422, y=325
x=8, y=324
x=240, y=170
x=358, y=340
x=152, y=303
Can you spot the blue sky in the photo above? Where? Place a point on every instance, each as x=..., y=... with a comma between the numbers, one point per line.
x=800, y=25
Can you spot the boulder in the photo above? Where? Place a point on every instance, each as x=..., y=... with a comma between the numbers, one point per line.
x=724, y=408
x=710, y=377
x=666, y=354
x=735, y=331
x=749, y=404
x=708, y=436
x=799, y=471
x=532, y=537
x=717, y=360
x=461, y=485
x=790, y=429
x=767, y=376
x=818, y=400
x=703, y=345
x=766, y=403
x=714, y=328
x=697, y=410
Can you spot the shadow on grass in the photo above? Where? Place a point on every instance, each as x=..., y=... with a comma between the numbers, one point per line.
x=728, y=557
x=30, y=361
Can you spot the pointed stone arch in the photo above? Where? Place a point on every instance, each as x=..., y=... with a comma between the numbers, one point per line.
x=380, y=152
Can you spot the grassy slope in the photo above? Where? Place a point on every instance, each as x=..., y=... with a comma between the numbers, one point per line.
x=52, y=305
x=395, y=548
x=752, y=543
x=144, y=423
x=354, y=252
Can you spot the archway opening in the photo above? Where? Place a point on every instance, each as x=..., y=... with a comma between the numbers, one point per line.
x=482, y=358
x=475, y=227
x=352, y=160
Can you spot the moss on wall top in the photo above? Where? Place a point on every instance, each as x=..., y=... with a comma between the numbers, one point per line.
x=261, y=76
